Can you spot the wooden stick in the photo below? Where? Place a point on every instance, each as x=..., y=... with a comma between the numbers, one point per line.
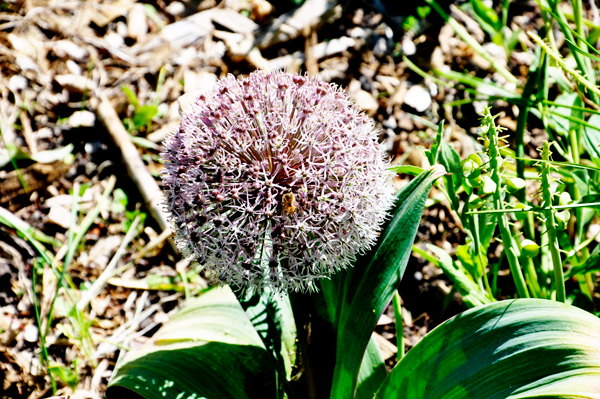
x=28, y=132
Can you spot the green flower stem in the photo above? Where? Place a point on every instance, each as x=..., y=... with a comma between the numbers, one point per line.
x=545, y=263
x=583, y=63
x=399, y=326
x=511, y=248
x=484, y=276
x=532, y=279
x=301, y=309
x=559, y=278
x=537, y=209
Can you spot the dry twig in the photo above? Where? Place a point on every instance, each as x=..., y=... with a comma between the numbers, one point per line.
x=153, y=196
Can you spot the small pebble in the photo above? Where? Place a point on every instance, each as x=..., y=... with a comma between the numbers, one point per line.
x=82, y=119
x=114, y=39
x=408, y=47
x=31, y=333
x=418, y=98
x=73, y=67
x=60, y=216
x=17, y=83
x=176, y=8
x=365, y=101
x=137, y=23
x=68, y=49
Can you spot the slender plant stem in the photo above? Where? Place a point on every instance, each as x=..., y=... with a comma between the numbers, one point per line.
x=74, y=242
x=559, y=278
x=532, y=279
x=484, y=276
x=397, y=302
x=511, y=247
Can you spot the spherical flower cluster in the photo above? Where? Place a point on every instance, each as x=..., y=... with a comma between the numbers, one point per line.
x=275, y=179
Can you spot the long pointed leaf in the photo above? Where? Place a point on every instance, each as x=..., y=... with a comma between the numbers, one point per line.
x=370, y=285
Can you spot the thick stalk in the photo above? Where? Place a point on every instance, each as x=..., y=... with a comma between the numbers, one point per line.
x=302, y=318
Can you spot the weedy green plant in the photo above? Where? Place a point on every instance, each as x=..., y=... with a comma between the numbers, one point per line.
x=556, y=220
x=492, y=210
x=143, y=114
x=49, y=275
x=269, y=337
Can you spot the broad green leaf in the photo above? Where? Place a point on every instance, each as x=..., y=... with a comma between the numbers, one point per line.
x=450, y=160
x=372, y=371
x=209, y=349
x=523, y=348
x=365, y=290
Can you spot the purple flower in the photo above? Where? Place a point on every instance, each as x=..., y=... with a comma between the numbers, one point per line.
x=275, y=179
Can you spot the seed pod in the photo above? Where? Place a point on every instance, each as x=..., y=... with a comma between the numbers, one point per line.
x=475, y=182
x=521, y=215
x=470, y=169
x=475, y=202
x=475, y=158
x=514, y=184
x=486, y=143
x=530, y=248
x=489, y=186
x=562, y=219
x=565, y=198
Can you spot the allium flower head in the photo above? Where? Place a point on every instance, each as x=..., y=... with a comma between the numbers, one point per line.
x=275, y=179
